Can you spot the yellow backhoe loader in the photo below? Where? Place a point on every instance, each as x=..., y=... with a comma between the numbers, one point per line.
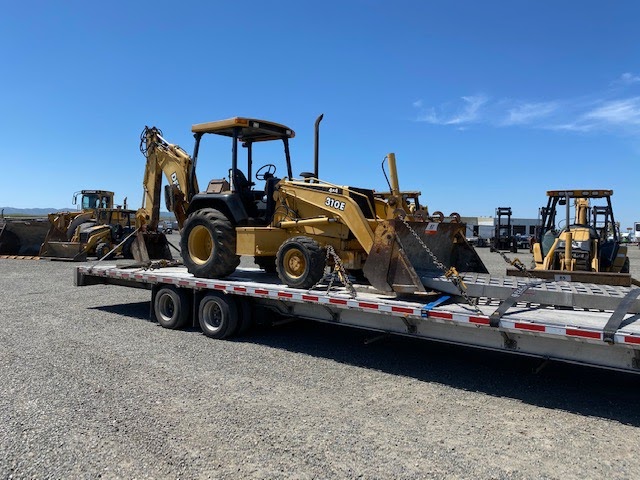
x=288, y=224
x=585, y=247
x=97, y=229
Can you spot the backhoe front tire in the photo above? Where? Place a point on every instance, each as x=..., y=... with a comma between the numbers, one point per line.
x=208, y=244
x=300, y=262
x=102, y=249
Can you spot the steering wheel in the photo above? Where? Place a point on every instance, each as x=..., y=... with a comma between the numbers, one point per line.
x=270, y=171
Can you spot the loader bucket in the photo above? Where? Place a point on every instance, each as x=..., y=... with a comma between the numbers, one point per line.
x=22, y=236
x=72, y=251
x=397, y=260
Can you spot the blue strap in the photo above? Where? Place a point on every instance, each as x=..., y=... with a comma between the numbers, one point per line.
x=430, y=306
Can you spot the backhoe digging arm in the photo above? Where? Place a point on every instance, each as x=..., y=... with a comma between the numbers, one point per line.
x=178, y=168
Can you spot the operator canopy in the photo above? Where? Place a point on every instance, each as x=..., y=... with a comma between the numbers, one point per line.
x=251, y=130
x=580, y=193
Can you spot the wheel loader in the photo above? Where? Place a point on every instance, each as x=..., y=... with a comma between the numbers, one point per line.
x=288, y=224
x=584, y=247
x=99, y=229
x=26, y=236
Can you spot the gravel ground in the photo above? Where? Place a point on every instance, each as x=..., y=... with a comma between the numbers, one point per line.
x=91, y=388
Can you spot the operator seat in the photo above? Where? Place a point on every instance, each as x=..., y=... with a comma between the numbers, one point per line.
x=242, y=188
x=269, y=190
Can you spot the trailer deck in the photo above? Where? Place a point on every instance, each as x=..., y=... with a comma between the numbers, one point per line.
x=585, y=334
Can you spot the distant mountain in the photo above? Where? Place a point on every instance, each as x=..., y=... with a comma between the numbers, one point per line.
x=33, y=212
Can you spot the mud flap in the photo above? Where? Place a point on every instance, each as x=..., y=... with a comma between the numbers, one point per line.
x=397, y=260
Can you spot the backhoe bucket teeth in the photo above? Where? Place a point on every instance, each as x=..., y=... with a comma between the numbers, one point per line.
x=397, y=259
x=22, y=236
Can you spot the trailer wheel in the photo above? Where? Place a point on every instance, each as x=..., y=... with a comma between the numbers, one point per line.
x=208, y=244
x=171, y=306
x=218, y=315
x=300, y=262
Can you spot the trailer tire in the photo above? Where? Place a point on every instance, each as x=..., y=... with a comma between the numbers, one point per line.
x=300, y=262
x=218, y=315
x=208, y=244
x=171, y=307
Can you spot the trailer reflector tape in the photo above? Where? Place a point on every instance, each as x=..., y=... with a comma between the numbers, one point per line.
x=372, y=306
x=631, y=339
x=239, y=289
x=445, y=315
x=310, y=298
x=337, y=301
x=219, y=287
x=408, y=311
x=260, y=291
x=184, y=283
x=285, y=295
x=479, y=320
x=530, y=326
x=572, y=332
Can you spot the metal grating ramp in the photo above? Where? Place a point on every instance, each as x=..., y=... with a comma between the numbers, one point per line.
x=544, y=292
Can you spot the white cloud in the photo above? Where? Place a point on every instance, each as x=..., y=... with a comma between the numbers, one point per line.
x=610, y=110
x=628, y=78
x=469, y=112
x=619, y=112
x=529, y=112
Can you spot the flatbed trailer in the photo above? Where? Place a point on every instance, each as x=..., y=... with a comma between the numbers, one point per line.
x=507, y=318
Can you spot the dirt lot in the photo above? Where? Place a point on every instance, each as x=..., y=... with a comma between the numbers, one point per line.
x=91, y=388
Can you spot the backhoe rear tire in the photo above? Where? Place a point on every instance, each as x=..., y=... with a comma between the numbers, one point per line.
x=208, y=244
x=300, y=262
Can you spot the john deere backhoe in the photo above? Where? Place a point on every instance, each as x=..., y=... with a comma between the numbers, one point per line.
x=584, y=247
x=288, y=224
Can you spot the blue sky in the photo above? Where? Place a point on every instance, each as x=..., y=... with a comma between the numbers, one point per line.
x=485, y=104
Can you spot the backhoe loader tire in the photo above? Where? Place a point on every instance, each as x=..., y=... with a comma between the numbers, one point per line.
x=268, y=264
x=102, y=249
x=218, y=315
x=208, y=244
x=171, y=307
x=300, y=262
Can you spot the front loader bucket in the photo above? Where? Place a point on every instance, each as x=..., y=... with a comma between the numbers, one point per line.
x=397, y=259
x=72, y=251
x=22, y=236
